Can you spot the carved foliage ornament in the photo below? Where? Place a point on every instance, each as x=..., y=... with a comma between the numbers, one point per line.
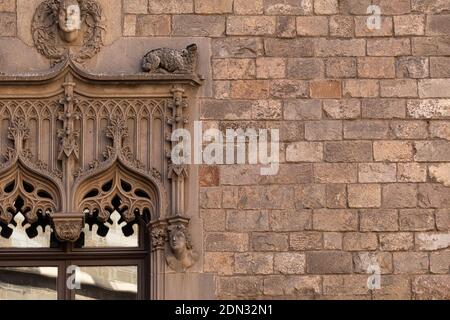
x=58, y=23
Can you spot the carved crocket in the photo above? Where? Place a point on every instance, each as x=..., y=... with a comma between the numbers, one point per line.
x=165, y=60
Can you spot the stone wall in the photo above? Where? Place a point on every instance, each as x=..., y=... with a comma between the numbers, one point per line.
x=364, y=117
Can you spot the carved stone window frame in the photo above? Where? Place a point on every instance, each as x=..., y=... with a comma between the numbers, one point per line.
x=70, y=83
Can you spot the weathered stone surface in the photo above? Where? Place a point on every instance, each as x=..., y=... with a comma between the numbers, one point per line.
x=430, y=6
x=377, y=68
x=440, y=262
x=431, y=46
x=326, y=89
x=289, y=89
x=399, y=195
x=280, y=285
x=393, y=151
x=355, y=241
x=341, y=67
x=302, y=109
x=342, y=109
x=323, y=130
x=220, y=262
x=412, y=172
x=361, y=88
x=285, y=27
x=226, y=241
x=434, y=88
x=382, y=47
x=328, y=262
x=399, y=241
x=336, y=196
x=210, y=198
x=229, y=197
x=310, y=196
x=149, y=25
x=366, y=130
x=410, y=262
x=290, y=220
x=432, y=241
x=342, y=26
x=409, y=25
x=432, y=151
x=438, y=25
x=409, y=129
x=335, y=173
x=208, y=176
x=288, y=48
x=213, y=219
x=412, y=67
x=311, y=26
x=307, y=240
x=266, y=110
x=270, y=68
x=269, y=241
x=305, y=68
x=213, y=6
x=135, y=6
x=230, y=69
x=383, y=108
x=358, y=7
x=7, y=5
x=240, y=286
x=354, y=286
x=363, y=260
x=358, y=151
x=253, y=263
x=339, y=48
x=433, y=196
x=361, y=29
x=402, y=88
x=225, y=110
x=170, y=6
x=440, y=129
x=416, y=220
x=389, y=8
x=250, y=25
x=440, y=173
x=241, y=221
x=289, y=263
x=377, y=172
x=394, y=287
x=248, y=7
x=293, y=7
x=198, y=26
x=335, y=220
x=326, y=6
x=443, y=220
x=237, y=47
x=332, y=240
x=378, y=220
x=250, y=89
x=7, y=24
x=431, y=287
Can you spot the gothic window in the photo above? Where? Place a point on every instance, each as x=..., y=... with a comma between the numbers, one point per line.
x=89, y=197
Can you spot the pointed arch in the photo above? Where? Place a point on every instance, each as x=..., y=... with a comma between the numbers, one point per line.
x=139, y=193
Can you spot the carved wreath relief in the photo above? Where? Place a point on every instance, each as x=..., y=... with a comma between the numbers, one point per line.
x=60, y=23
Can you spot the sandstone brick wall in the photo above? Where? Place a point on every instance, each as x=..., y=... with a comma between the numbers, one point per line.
x=364, y=117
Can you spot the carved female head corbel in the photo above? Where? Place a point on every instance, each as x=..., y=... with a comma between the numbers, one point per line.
x=69, y=20
x=181, y=256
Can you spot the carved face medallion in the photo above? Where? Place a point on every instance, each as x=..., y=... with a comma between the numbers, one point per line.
x=69, y=20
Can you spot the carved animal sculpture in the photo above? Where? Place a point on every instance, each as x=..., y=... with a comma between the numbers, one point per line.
x=165, y=60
